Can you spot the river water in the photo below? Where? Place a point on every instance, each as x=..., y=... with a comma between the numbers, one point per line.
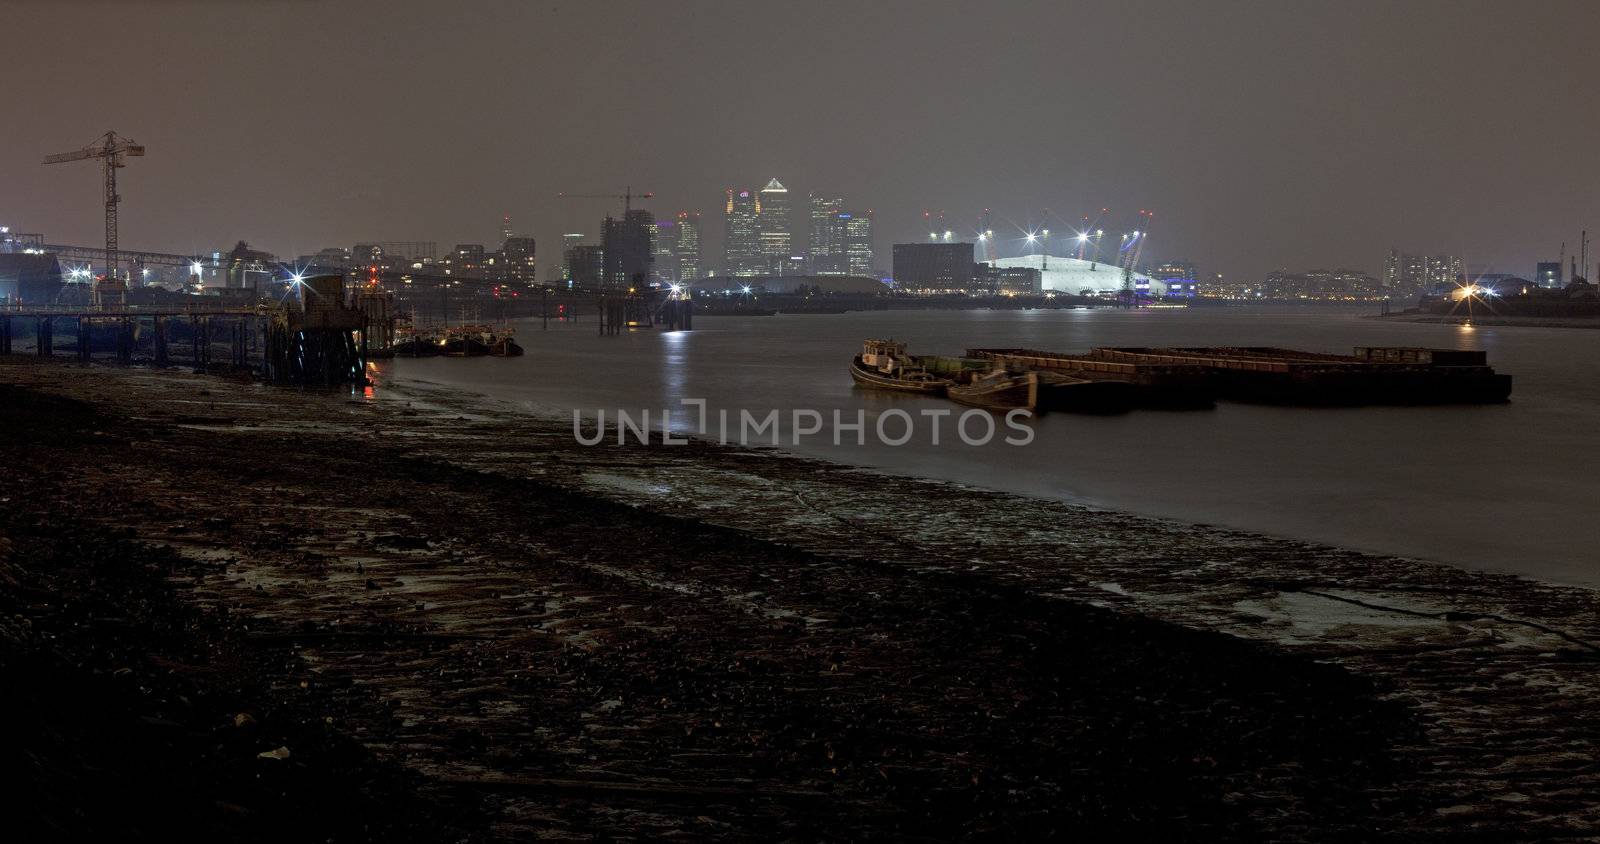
x=1512, y=487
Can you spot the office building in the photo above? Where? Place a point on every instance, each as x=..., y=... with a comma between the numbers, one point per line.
x=666, y=251
x=584, y=265
x=517, y=261
x=629, y=249
x=934, y=267
x=857, y=242
x=687, y=249
x=823, y=241
x=742, y=243
x=775, y=226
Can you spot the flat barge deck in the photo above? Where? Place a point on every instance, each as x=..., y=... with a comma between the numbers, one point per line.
x=1372, y=375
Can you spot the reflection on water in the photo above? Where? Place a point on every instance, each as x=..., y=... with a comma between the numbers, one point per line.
x=1506, y=487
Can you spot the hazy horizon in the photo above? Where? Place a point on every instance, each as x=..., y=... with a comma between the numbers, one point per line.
x=1263, y=136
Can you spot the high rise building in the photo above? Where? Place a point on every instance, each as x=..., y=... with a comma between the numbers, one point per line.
x=742, y=245
x=1548, y=274
x=517, y=261
x=687, y=251
x=466, y=261
x=666, y=251
x=585, y=266
x=774, y=223
x=505, y=228
x=569, y=241
x=1408, y=275
x=629, y=247
x=822, y=243
x=857, y=241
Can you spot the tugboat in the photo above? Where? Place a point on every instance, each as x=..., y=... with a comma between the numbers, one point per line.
x=884, y=365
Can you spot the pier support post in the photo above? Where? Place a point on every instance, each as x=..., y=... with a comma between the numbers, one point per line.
x=125, y=340
x=159, y=329
x=85, y=325
x=44, y=337
x=5, y=335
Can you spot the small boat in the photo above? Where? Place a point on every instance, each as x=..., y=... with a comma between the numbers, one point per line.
x=884, y=365
x=504, y=347
x=998, y=390
x=417, y=347
x=464, y=346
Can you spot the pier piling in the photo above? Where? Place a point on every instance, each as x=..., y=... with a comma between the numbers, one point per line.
x=158, y=328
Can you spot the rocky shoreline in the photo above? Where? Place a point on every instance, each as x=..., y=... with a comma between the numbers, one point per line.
x=427, y=616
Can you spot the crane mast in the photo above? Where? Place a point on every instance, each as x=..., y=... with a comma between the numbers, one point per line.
x=114, y=150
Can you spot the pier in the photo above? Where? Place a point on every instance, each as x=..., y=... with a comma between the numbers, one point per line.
x=317, y=339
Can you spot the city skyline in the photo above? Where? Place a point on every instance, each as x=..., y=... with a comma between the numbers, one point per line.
x=1259, y=140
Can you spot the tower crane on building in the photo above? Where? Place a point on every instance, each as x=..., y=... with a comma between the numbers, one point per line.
x=627, y=197
x=114, y=150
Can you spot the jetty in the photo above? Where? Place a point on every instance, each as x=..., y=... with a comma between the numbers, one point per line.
x=320, y=336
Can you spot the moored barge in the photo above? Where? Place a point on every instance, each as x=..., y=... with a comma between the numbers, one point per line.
x=1146, y=384
x=1372, y=375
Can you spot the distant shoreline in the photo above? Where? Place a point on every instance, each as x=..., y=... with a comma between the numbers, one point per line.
x=1498, y=321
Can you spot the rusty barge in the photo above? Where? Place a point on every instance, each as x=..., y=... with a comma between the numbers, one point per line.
x=1392, y=375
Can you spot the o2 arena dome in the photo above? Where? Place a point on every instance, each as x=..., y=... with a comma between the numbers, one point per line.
x=1073, y=275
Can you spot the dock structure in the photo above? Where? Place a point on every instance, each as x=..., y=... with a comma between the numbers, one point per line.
x=315, y=339
x=619, y=314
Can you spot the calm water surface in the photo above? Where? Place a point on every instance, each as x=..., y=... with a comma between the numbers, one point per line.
x=1509, y=487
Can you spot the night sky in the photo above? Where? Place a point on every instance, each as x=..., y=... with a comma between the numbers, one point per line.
x=1271, y=134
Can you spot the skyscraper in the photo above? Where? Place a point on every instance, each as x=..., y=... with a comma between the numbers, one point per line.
x=585, y=266
x=569, y=241
x=857, y=242
x=742, y=246
x=687, y=252
x=822, y=243
x=629, y=247
x=775, y=225
x=666, y=251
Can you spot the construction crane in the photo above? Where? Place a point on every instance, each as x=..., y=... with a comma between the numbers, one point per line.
x=114, y=149
x=626, y=196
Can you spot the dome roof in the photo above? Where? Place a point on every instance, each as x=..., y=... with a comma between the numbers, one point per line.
x=1071, y=275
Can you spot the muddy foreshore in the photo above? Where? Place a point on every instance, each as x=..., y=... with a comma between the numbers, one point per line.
x=265, y=614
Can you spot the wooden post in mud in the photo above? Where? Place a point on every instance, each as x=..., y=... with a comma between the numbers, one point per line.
x=544, y=307
x=125, y=340
x=158, y=328
x=5, y=335
x=44, y=337
x=84, y=326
